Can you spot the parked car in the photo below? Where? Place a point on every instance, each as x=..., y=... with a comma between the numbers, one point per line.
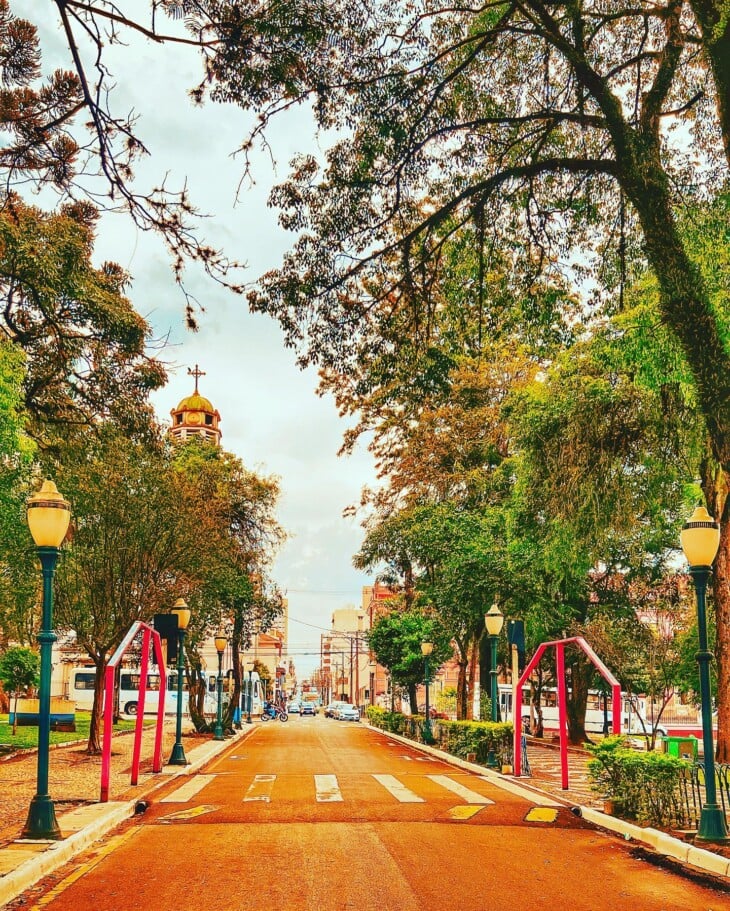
x=331, y=709
x=293, y=708
x=348, y=713
x=307, y=709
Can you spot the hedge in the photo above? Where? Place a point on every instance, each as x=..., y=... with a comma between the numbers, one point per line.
x=644, y=786
x=480, y=739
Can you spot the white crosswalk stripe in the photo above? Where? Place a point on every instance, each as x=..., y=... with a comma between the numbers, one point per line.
x=260, y=789
x=465, y=793
x=188, y=790
x=397, y=789
x=327, y=789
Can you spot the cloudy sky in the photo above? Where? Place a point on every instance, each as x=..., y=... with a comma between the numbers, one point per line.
x=270, y=415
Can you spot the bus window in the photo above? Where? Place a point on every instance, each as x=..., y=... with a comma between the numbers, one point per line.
x=85, y=680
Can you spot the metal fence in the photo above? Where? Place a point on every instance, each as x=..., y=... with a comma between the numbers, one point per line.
x=692, y=791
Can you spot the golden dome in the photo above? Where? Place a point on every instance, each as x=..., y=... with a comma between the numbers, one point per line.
x=195, y=402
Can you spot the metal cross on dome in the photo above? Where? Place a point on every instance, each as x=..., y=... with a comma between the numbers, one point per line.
x=196, y=373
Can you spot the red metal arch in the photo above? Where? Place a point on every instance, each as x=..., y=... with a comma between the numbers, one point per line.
x=559, y=646
x=149, y=634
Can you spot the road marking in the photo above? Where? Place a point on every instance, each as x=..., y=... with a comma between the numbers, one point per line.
x=328, y=791
x=260, y=788
x=188, y=790
x=407, y=758
x=398, y=790
x=83, y=869
x=466, y=811
x=541, y=814
x=190, y=813
x=453, y=786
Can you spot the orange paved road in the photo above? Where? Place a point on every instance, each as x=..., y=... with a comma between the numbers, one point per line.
x=294, y=818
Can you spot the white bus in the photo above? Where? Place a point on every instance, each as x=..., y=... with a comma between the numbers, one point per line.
x=632, y=719
x=80, y=688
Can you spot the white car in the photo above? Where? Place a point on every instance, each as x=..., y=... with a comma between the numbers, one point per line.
x=348, y=713
x=293, y=708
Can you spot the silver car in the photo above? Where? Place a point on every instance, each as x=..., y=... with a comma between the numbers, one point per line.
x=348, y=713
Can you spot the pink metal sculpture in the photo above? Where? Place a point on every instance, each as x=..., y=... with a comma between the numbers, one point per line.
x=148, y=634
x=559, y=646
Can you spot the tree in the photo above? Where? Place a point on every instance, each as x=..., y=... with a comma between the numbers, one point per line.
x=396, y=638
x=236, y=513
x=19, y=671
x=18, y=576
x=132, y=552
x=85, y=347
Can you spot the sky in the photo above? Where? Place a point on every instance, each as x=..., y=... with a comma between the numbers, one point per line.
x=271, y=416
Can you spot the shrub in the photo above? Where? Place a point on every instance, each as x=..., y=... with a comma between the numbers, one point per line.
x=460, y=738
x=646, y=786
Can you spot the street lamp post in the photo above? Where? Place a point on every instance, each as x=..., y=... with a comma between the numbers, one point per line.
x=493, y=620
x=249, y=694
x=48, y=516
x=220, y=647
x=426, y=650
x=700, y=540
x=182, y=611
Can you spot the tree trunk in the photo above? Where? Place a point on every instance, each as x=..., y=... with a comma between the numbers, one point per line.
x=413, y=697
x=462, y=694
x=93, y=746
x=484, y=663
x=686, y=309
x=473, y=662
x=577, y=700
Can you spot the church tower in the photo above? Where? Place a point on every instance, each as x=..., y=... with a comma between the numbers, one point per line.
x=195, y=416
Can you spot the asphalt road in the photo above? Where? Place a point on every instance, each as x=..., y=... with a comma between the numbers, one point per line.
x=324, y=815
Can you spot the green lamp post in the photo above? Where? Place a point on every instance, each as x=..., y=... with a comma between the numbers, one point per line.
x=180, y=608
x=700, y=540
x=220, y=647
x=426, y=651
x=493, y=620
x=48, y=516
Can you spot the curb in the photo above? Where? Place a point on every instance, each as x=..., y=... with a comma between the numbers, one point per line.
x=658, y=841
x=58, y=853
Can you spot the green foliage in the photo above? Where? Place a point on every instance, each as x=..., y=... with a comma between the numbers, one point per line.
x=19, y=670
x=460, y=738
x=645, y=785
x=84, y=343
x=396, y=638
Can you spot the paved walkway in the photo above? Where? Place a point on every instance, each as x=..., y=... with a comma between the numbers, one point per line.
x=546, y=773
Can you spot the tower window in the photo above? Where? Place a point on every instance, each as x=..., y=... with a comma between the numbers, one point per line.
x=178, y=419
x=209, y=419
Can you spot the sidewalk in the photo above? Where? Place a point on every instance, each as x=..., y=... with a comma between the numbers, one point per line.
x=74, y=785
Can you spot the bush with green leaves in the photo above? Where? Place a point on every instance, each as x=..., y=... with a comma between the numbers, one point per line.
x=645, y=786
x=460, y=738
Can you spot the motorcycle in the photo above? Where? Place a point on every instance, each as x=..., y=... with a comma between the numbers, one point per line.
x=272, y=711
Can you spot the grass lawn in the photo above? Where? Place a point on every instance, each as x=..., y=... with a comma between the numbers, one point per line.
x=27, y=737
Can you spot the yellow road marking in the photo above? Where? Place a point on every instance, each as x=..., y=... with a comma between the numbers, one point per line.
x=108, y=848
x=191, y=813
x=542, y=814
x=463, y=812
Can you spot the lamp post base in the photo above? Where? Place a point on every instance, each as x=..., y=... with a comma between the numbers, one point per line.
x=712, y=825
x=41, y=821
x=177, y=757
x=218, y=733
